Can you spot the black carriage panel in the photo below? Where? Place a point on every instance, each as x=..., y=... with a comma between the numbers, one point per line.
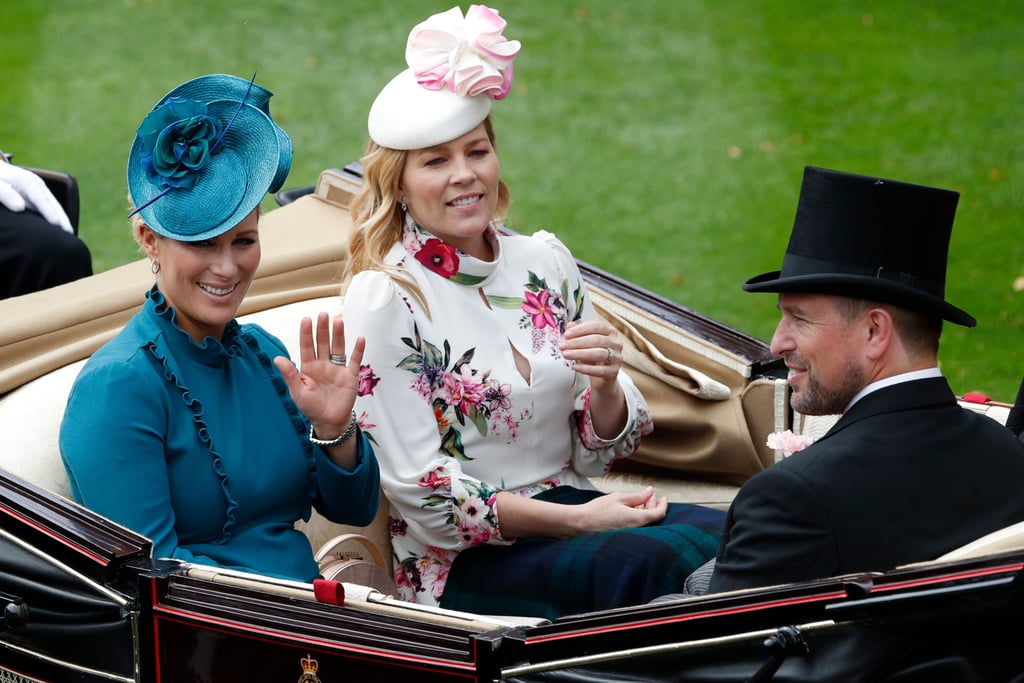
x=211, y=631
x=66, y=588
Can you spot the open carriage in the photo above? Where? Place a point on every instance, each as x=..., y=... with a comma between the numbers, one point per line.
x=83, y=600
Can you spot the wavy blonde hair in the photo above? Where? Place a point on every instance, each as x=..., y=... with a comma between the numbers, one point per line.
x=377, y=218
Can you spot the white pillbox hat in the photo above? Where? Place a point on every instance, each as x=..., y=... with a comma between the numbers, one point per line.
x=457, y=67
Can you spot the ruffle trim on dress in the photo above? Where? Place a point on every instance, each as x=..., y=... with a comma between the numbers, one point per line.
x=298, y=421
x=161, y=309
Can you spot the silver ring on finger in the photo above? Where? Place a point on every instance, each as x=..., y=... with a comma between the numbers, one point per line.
x=339, y=358
x=611, y=356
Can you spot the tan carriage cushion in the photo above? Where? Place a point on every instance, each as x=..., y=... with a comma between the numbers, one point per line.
x=1007, y=539
x=711, y=417
x=1001, y=540
x=303, y=249
x=45, y=337
x=678, y=489
x=30, y=420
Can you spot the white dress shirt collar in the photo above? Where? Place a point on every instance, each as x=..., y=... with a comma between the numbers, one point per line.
x=895, y=379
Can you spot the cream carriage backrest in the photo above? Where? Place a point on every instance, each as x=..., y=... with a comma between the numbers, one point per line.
x=30, y=419
x=46, y=336
x=30, y=415
x=303, y=252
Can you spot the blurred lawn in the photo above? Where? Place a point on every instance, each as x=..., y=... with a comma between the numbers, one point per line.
x=663, y=141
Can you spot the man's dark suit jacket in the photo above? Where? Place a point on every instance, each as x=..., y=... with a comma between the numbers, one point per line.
x=36, y=255
x=905, y=475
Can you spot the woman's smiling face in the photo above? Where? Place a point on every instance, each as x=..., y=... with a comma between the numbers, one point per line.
x=451, y=190
x=206, y=281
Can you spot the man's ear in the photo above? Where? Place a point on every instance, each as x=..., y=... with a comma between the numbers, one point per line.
x=881, y=332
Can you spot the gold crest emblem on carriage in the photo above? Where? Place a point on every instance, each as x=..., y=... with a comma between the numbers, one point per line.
x=309, y=669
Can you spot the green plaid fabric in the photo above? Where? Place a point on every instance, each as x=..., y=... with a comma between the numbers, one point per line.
x=549, y=577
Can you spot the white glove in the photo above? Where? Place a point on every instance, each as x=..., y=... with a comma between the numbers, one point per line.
x=21, y=189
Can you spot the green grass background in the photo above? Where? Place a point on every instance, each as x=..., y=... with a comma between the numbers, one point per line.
x=663, y=140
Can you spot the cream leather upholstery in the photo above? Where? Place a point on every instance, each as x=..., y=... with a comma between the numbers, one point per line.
x=30, y=422
x=303, y=253
x=999, y=541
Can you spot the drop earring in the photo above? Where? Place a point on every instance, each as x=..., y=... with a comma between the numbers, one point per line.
x=404, y=207
x=154, y=266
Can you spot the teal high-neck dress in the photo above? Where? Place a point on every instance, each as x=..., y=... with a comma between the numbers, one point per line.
x=200, y=448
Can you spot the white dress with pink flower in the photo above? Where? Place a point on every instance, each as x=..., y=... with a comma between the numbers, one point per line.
x=451, y=418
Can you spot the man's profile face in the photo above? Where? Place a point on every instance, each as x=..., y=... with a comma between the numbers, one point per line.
x=822, y=352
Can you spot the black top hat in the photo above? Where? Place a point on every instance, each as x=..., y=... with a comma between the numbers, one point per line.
x=869, y=238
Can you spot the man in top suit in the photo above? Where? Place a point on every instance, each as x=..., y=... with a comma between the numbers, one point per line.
x=905, y=474
x=38, y=247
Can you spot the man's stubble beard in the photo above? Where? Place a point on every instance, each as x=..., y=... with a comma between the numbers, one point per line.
x=818, y=399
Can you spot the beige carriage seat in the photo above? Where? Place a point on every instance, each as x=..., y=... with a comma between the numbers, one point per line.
x=999, y=541
x=30, y=423
x=1007, y=539
x=30, y=419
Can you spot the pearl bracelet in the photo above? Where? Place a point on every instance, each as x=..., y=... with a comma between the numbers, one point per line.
x=345, y=436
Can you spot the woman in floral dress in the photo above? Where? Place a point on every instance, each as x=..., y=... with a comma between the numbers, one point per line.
x=491, y=390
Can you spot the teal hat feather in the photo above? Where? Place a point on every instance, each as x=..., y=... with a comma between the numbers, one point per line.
x=205, y=156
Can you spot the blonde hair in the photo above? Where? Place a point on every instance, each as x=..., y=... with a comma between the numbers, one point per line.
x=377, y=217
x=135, y=220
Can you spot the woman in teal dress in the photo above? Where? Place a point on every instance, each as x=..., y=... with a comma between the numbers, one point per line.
x=188, y=427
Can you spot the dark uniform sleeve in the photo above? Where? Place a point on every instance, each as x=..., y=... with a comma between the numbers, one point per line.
x=776, y=532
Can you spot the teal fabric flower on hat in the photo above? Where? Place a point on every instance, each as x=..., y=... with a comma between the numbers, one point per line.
x=177, y=140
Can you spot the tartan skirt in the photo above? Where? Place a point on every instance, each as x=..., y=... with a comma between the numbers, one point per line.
x=553, y=577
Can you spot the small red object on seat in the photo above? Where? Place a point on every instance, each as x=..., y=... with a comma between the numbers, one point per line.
x=330, y=592
x=976, y=397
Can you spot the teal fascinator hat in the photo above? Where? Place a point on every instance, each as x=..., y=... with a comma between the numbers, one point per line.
x=205, y=156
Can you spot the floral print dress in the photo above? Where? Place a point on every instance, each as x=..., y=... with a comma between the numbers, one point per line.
x=452, y=419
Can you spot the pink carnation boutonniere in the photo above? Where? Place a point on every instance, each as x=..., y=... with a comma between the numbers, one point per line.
x=788, y=442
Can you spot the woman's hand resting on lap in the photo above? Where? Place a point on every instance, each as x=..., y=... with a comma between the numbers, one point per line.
x=530, y=517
